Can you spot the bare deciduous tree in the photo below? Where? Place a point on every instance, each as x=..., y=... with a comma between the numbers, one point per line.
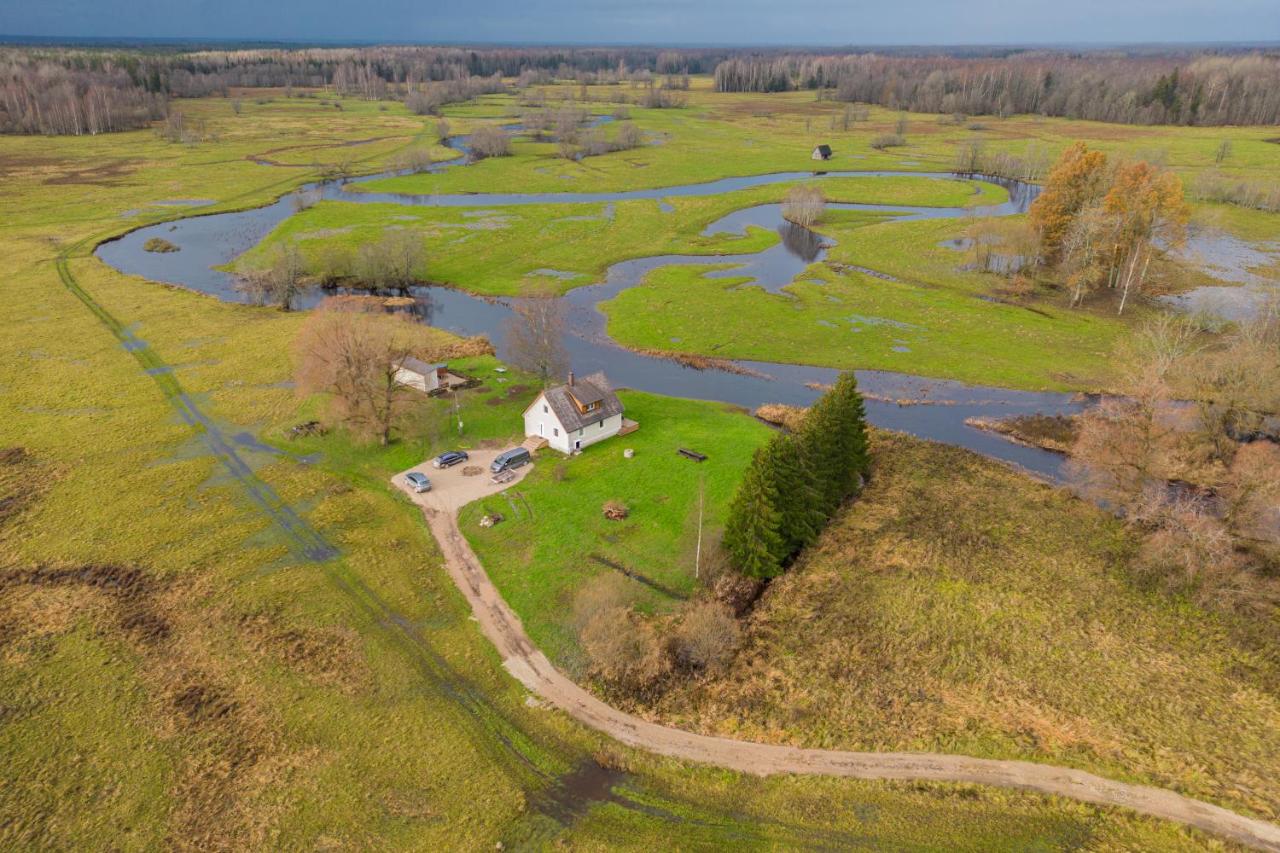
x=490, y=141
x=353, y=356
x=804, y=205
x=413, y=160
x=392, y=262
x=535, y=338
x=1193, y=477
x=629, y=136
x=280, y=283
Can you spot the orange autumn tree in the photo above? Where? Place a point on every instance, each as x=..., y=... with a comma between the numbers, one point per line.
x=1146, y=214
x=1101, y=226
x=1076, y=182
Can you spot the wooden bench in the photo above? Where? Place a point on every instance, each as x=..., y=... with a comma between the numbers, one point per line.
x=692, y=454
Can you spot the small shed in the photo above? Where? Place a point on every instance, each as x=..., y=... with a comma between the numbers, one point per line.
x=822, y=152
x=416, y=373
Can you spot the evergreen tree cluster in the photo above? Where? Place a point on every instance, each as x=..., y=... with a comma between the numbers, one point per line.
x=796, y=482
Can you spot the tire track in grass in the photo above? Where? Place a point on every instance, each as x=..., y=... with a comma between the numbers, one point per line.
x=558, y=800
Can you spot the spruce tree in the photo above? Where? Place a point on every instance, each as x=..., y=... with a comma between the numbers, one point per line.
x=799, y=501
x=820, y=444
x=851, y=422
x=751, y=534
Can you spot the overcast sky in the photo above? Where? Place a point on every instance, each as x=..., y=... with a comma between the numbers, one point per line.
x=824, y=22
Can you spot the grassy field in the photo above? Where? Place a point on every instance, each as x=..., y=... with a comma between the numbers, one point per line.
x=718, y=135
x=957, y=606
x=544, y=551
x=177, y=674
x=510, y=250
x=937, y=319
x=931, y=319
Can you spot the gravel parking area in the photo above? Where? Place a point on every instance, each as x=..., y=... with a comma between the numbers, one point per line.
x=451, y=489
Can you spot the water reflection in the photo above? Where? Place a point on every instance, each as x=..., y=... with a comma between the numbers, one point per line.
x=934, y=409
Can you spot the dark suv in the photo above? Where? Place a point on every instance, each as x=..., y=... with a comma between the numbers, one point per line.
x=447, y=460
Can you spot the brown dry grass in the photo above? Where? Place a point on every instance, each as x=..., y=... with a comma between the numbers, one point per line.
x=958, y=606
x=788, y=417
x=231, y=750
x=1051, y=432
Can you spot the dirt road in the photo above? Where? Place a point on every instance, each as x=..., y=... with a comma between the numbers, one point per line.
x=532, y=668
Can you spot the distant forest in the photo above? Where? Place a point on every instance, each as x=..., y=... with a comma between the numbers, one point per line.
x=83, y=90
x=1230, y=89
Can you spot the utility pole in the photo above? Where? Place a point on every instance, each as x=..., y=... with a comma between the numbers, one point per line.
x=697, y=554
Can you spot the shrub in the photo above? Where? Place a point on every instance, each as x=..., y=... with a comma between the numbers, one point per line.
x=888, y=140
x=489, y=141
x=159, y=245
x=707, y=637
x=623, y=650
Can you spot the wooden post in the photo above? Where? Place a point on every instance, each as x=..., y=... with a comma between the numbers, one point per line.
x=697, y=554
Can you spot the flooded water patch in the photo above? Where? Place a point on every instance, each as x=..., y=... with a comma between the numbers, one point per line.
x=211, y=241
x=861, y=320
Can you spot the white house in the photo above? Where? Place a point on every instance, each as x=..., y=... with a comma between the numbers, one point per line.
x=418, y=374
x=822, y=152
x=574, y=415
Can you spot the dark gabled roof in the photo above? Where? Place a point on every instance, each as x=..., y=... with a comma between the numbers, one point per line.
x=824, y=150
x=417, y=365
x=591, y=389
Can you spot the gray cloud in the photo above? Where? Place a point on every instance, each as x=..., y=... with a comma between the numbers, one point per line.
x=657, y=21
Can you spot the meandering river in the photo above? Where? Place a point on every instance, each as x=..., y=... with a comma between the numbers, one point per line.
x=937, y=410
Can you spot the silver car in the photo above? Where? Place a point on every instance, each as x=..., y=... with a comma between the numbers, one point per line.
x=418, y=482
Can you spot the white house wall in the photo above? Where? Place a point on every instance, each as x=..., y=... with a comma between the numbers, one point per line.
x=540, y=421
x=594, y=432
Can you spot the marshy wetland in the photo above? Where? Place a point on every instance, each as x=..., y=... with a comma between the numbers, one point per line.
x=204, y=641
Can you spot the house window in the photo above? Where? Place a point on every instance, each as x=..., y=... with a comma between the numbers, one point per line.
x=579, y=432
x=545, y=409
x=602, y=425
x=556, y=430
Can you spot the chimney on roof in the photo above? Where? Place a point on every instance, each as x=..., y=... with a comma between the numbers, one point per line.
x=570, y=378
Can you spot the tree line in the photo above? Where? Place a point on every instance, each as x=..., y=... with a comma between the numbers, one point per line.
x=364, y=71
x=796, y=482
x=46, y=98
x=1168, y=88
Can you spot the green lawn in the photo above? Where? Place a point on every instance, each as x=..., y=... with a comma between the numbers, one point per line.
x=542, y=553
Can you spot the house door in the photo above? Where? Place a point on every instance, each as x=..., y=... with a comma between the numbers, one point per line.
x=577, y=445
x=541, y=428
